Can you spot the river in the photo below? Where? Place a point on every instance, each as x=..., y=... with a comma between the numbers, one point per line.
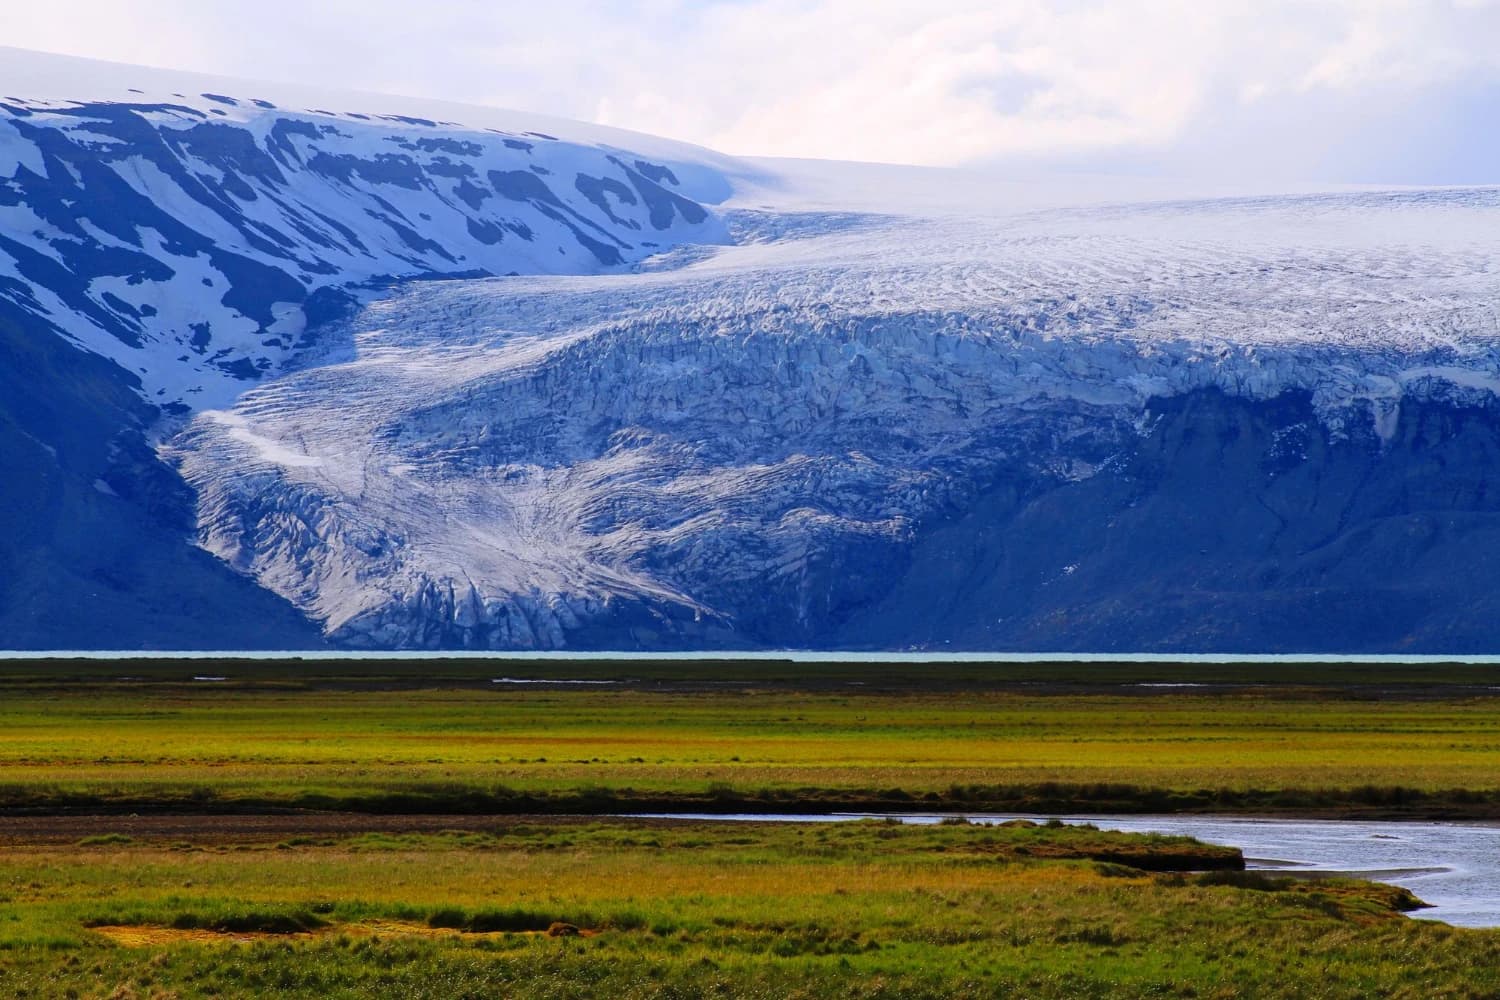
x=1453, y=866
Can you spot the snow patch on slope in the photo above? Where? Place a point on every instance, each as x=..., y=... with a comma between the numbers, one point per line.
x=192, y=229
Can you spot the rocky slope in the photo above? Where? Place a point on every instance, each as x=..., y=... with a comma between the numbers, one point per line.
x=192, y=236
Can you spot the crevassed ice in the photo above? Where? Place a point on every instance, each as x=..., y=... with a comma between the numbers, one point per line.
x=498, y=461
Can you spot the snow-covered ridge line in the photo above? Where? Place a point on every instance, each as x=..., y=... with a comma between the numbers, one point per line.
x=192, y=237
x=59, y=79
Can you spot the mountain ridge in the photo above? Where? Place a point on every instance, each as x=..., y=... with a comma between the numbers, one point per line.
x=438, y=386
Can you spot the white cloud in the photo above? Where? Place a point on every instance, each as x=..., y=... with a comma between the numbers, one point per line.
x=1141, y=81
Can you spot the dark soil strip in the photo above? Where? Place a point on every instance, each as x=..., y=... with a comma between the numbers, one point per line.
x=1311, y=678
x=21, y=831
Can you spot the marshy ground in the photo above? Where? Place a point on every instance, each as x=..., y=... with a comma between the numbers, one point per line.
x=322, y=833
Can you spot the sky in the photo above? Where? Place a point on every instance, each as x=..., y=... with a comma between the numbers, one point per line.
x=1372, y=91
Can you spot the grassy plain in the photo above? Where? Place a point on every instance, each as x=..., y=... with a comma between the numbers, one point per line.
x=1368, y=741
x=693, y=910
x=224, y=886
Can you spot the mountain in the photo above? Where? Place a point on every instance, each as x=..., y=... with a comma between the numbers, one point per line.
x=385, y=375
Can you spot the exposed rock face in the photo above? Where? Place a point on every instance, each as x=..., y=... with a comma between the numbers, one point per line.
x=94, y=529
x=1233, y=525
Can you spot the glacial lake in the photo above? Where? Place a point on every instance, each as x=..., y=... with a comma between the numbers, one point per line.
x=1453, y=866
x=714, y=656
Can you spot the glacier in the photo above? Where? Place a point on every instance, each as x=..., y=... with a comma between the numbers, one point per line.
x=458, y=378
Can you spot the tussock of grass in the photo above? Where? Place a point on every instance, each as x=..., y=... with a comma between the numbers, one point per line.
x=106, y=840
x=490, y=921
x=217, y=917
x=249, y=923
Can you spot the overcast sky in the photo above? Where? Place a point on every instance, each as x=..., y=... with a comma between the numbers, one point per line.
x=1354, y=90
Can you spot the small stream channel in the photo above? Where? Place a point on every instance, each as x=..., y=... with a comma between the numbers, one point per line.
x=1453, y=866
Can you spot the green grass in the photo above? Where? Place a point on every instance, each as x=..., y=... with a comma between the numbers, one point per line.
x=1419, y=750
x=765, y=910
x=699, y=910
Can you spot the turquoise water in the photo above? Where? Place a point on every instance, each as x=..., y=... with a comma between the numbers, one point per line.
x=796, y=656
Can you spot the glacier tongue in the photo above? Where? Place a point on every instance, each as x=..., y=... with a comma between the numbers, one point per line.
x=738, y=446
